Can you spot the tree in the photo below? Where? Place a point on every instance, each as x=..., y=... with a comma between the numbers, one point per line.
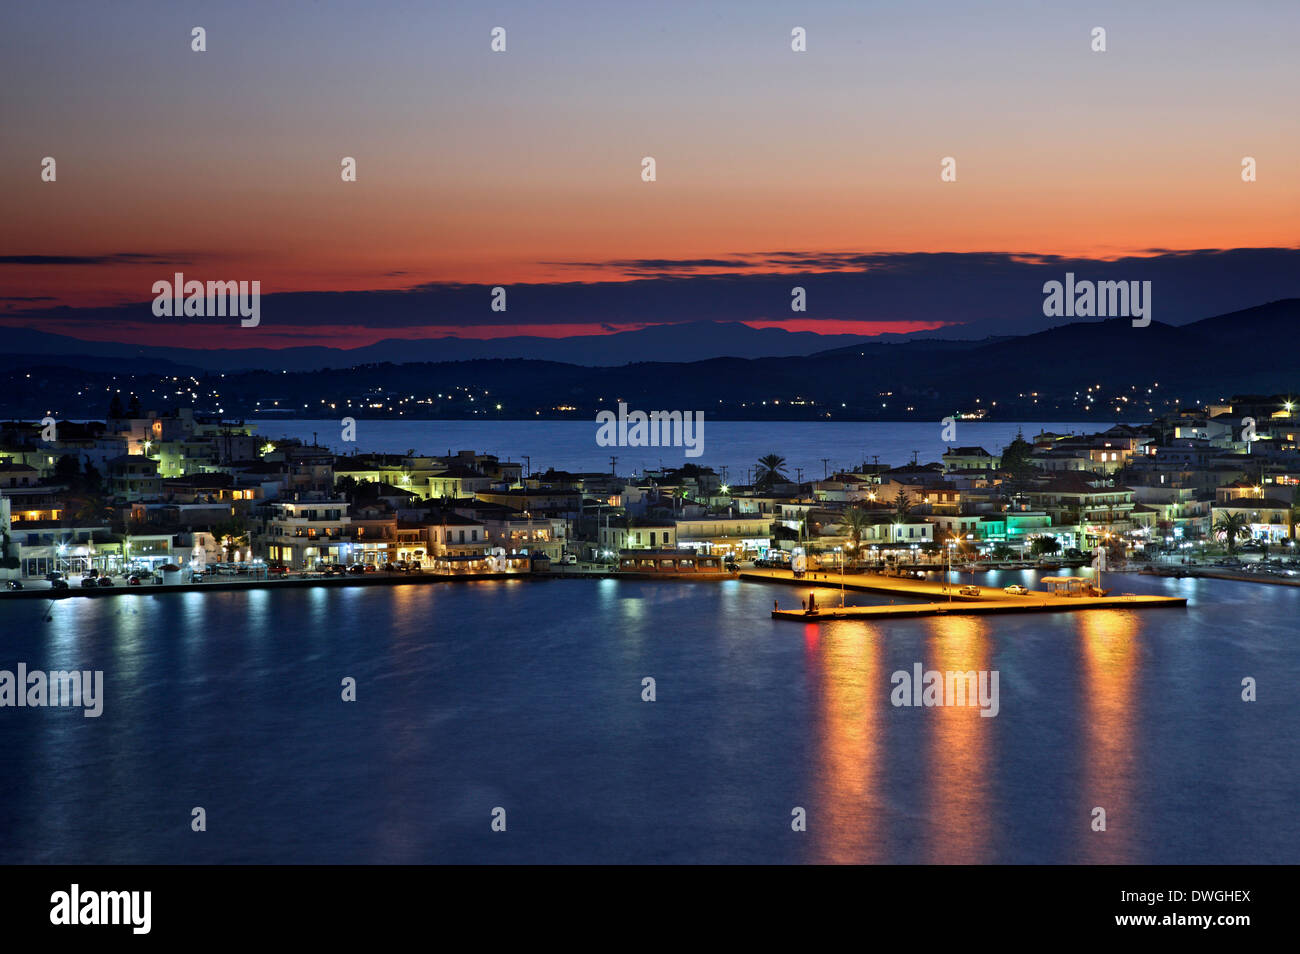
x=902, y=504
x=1045, y=546
x=346, y=485
x=1003, y=551
x=67, y=469
x=230, y=534
x=1015, y=458
x=1230, y=526
x=856, y=521
x=770, y=471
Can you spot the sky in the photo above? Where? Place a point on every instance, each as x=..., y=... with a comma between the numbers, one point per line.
x=522, y=169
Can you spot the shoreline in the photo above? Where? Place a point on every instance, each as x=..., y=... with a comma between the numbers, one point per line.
x=234, y=585
x=861, y=582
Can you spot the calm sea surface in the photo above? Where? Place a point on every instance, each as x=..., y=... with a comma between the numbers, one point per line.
x=526, y=695
x=571, y=445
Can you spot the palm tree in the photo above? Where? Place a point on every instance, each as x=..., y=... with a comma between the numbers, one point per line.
x=1230, y=526
x=856, y=520
x=770, y=470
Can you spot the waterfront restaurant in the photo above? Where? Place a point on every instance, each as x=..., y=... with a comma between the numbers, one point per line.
x=671, y=564
x=741, y=537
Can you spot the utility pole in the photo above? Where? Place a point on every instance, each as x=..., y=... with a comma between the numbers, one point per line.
x=825, y=467
x=612, y=461
x=528, y=465
x=798, y=475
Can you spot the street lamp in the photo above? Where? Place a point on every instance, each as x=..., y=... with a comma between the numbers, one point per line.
x=947, y=576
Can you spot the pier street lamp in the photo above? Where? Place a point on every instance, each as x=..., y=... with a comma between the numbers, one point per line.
x=947, y=574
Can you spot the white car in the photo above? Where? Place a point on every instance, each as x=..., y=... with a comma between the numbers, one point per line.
x=570, y=558
x=1015, y=589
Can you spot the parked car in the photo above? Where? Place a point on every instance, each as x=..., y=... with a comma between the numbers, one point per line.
x=356, y=569
x=133, y=581
x=196, y=577
x=969, y=591
x=54, y=575
x=15, y=584
x=277, y=570
x=89, y=581
x=58, y=584
x=1015, y=589
x=105, y=581
x=570, y=559
x=371, y=568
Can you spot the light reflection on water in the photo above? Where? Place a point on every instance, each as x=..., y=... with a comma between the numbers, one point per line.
x=959, y=747
x=530, y=694
x=847, y=659
x=1109, y=662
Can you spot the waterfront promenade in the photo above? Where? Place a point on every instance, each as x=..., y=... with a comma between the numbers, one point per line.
x=1034, y=603
x=44, y=592
x=938, y=600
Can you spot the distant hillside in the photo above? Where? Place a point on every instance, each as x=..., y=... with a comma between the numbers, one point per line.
x=692, y=341
x=1038, y=376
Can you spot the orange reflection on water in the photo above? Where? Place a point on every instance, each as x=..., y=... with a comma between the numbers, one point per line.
x=1109, y=660
x=852, y=692
x=959, y=775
